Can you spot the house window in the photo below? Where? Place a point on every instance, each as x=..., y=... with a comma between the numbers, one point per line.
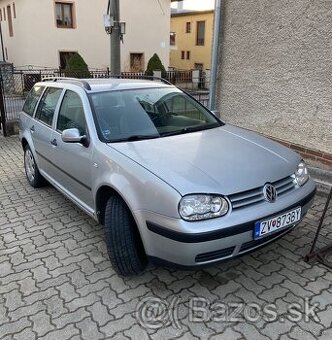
x=188, y=55
x=137, y=62
x=200, y=34
x=182, y=54
x=0, y=14
x=64, y=56
x=198, y=66
x=10, y=21
x=172, y=38
x=64, y=15
x=4, y=13
x=188, y=27
x=14, y=10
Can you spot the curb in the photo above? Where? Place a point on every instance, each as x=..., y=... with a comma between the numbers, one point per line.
x=323, y=179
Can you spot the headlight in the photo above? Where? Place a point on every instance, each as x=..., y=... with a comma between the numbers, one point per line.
x=202, y=207
x=301, y=174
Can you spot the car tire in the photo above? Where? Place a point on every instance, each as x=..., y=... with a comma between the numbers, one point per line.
x=32, y=173
x=124, y=244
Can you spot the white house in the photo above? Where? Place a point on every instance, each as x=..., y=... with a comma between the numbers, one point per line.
x=43, y=32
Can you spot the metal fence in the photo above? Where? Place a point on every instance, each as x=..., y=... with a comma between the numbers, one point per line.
x=15, y=84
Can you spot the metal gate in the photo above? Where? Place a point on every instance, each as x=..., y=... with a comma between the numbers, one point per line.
x=15, y=85
x=2, y=111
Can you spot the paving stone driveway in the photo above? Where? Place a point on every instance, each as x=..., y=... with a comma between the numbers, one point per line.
x=56, y=281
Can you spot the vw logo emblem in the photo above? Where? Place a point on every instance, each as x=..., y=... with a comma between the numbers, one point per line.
x=270, y=192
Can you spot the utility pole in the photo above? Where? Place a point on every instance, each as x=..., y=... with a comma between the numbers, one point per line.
x=115, y=36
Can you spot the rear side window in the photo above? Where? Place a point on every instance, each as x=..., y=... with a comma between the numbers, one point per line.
x=32, y=99
x=47, y=105
x=71, y=114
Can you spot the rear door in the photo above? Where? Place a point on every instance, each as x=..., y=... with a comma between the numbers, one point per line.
x=41, y=129
x=26, y=115
x=73, y=160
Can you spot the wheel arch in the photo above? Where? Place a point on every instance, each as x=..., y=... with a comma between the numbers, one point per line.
x=102, y=195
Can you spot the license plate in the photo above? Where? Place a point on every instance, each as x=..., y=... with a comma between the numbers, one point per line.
x=266, y=227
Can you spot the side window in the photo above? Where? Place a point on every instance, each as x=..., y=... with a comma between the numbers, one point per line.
x=32, y=99
x=47, y=105
x=71, y=113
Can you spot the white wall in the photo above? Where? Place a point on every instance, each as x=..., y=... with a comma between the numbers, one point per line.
x=148, y=27
x=37, y=40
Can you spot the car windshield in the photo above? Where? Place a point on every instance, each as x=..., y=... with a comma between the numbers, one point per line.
x=131, y=115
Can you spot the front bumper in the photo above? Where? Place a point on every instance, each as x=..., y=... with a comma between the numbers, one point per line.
x=199, y=243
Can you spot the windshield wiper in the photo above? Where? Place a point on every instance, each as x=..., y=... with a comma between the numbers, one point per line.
x=189, y=129
x=134, y=138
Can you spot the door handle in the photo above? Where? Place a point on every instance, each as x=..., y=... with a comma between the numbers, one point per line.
x=32, y=129
x=54, y=142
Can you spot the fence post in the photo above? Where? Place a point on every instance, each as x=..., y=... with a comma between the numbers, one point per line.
x=196, y=78
x=207, y=78
x=2, y=109
x=157, y=74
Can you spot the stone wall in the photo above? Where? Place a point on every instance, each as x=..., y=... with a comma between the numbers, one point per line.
x=275, y=73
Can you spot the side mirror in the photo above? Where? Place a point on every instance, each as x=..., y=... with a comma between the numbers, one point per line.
x=73, y=136
x=216, y=113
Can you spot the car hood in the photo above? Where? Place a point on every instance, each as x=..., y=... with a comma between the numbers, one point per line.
x=222, y=160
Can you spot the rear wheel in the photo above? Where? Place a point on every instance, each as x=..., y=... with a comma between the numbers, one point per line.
x=124, y=244
x=32, y=173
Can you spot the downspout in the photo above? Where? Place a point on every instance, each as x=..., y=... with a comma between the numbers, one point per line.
x=216, y=42
x=2, y=49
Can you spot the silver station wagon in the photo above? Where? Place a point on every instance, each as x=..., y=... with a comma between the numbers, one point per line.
x=169, y=180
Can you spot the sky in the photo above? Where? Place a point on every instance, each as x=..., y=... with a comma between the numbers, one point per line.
x=196, y=4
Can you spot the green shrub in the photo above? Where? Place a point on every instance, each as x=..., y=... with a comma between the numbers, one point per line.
x=155, y=64
x=76, y=67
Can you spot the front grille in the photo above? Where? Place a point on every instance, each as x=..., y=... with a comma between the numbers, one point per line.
x=255, y=196
x=214, y=255
x=255, y=243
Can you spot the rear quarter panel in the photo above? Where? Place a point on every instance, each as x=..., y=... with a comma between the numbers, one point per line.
x=25, y=122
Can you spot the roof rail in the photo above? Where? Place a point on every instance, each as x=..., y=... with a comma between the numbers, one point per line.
x=81, y=82
x=146, y=77
x=87, y=86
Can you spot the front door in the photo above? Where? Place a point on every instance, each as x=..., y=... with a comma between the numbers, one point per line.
x=73, y=160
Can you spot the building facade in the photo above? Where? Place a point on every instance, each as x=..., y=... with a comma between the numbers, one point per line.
x=43, y=32
x=275, y=69
x=191, y=39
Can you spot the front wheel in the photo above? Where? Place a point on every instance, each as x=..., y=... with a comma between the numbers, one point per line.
x=32, y=173
x=124, y=244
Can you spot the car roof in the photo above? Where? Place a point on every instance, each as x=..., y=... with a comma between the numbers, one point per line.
x=108, y=84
